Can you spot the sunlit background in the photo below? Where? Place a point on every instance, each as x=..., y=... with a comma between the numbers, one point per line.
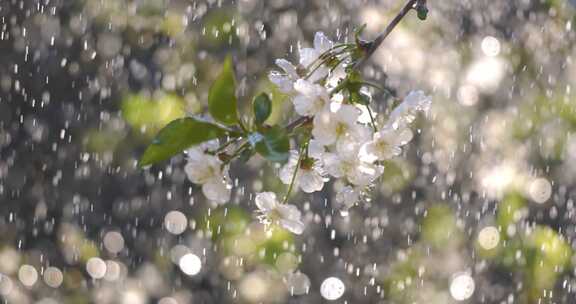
x=481, y=209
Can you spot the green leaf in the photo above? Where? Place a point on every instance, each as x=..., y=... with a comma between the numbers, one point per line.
x=177, y=136
x=222, y=98
x=262, y=107
x=274, y=144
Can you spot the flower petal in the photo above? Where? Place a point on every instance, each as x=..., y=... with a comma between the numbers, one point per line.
x=266, y=201
x=307, y=56
x=347, y=114
x=324, y=129
x=283, y=82
x=289, y=212
x=322, y=43
x=296, y=227
x=311, y=181
x=288, y=67
x=217, y=190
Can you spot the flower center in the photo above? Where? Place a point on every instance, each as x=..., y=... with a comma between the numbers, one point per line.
x=341, y=129
x=382, y=145
x=348, y=166
x=274, y=216
x=307, y=163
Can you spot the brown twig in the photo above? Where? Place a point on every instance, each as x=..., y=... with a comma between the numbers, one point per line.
x=375, y=44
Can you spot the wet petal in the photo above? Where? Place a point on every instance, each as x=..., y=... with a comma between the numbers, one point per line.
x=316, y=149
x=324, y=129
x=287, y=171
x=307, y=56
x=289, y=212
x=217, y=190
x=333, y=165
x=310, y=181
x=348, y=114
x=348, y=196
x=288, y=68
x=283, y=82
x=322, y=43
x=266, y=201
x=296, y=227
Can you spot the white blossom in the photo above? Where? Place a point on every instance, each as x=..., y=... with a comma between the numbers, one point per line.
x=316, y=149
x=310, y=98
x=347, y=197
x=310, y=67
x=285, y=81
x=272, y=212
x=206, y=170
x=309, y=56
x=337, y=122
x=405, y=112
x=386, y=144
x=348, y=164
x=309, y=176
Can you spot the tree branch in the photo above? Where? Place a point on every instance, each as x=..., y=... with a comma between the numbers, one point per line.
x=375, y=44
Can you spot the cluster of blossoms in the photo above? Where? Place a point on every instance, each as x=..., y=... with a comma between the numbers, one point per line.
x=338, y=144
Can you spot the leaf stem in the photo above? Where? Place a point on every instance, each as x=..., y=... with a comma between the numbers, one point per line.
x=226, y=144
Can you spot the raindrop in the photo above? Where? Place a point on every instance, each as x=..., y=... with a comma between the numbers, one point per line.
x=462, y=287
x=540, y=190
x=175, y=222
x=96, y=268
x=489, y=237
x=190, y=264
x=27, y=275
x=113, y=242
x=298, y=283
x=53, y=277
x=332, y=288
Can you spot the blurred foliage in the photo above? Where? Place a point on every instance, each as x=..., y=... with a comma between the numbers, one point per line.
x=229, y=227
x=147, y=115
x=220, y=29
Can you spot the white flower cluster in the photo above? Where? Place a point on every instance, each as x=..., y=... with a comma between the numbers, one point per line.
x=340, y=145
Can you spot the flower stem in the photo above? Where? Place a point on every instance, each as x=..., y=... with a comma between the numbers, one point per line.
x=327, y=52
x=322, y=62
x=293, y=180
x=226, y=145
x=372, y=118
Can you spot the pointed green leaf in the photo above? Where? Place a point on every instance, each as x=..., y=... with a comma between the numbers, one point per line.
x=274, y=144
x=222, y=98
x=177, y=136
x=262, y=107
